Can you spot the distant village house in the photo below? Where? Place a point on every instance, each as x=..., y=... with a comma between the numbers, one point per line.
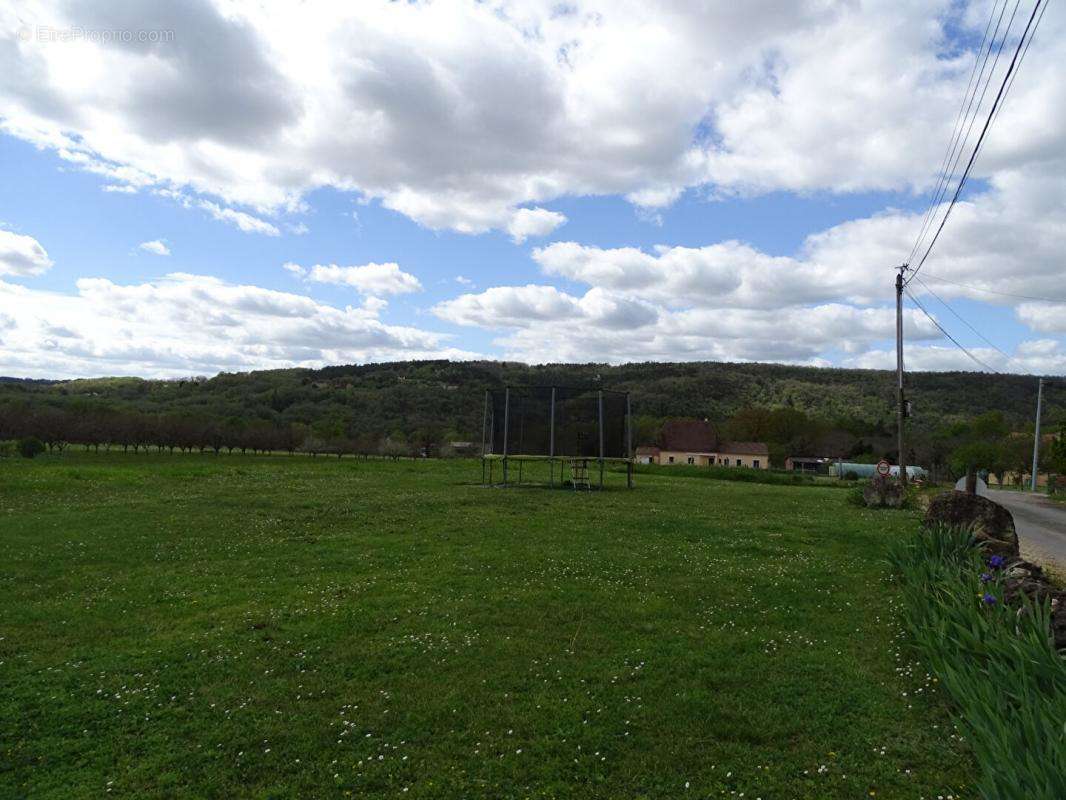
x=697, y=443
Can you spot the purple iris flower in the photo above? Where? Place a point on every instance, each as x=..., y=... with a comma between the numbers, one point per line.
x=989, y=598
x=996, y=562
x=986, y=577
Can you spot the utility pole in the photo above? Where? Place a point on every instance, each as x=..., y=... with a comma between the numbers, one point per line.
x=1036, y=433
x=901, y=410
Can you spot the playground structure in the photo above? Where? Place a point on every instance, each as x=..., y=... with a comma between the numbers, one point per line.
x=572, y=429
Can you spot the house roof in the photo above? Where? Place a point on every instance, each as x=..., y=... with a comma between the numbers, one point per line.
x=744, y=448
x=689, y=436
x=648, y=451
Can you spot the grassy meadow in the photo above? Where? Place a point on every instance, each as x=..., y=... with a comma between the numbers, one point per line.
x=288, y=627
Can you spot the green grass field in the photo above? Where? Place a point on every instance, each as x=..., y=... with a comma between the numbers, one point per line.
x=192, y=626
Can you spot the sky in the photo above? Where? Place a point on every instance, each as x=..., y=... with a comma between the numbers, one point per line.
x=196, y=186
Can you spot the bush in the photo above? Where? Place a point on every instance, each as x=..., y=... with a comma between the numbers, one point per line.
x=995, y=661
x=741, y=474
x=855, y=497
x=30, y=447
x=912, y=497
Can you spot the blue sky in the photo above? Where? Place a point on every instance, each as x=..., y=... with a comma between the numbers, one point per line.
x=699, y=213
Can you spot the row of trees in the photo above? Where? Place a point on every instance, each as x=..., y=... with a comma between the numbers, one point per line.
x=987, y=444
x=107, y=428
x=404, y=396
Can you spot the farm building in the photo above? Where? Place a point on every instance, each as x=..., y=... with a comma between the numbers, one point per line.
x=647, y=455
x=744, y=454
x=814, y=465
x=863, y=471
x=696, y=442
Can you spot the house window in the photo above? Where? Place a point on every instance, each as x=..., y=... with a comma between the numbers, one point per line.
x=726, y=462
x=755, y=463
x=691, y=460
x=670, y=460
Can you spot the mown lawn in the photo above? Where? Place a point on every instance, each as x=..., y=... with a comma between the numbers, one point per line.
x=187, y=626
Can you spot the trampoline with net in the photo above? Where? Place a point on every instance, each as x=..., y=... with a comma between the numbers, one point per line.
x=571, y=429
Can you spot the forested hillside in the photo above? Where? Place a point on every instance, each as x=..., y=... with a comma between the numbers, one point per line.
x=441, y=401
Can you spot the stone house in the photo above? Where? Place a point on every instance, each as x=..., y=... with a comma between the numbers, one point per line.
x=696, y=442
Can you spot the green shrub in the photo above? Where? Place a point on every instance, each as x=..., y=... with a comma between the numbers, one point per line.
x=855, y=497
x=912, y=498
x=30, y=446
x=742, y=474
x=997, y=663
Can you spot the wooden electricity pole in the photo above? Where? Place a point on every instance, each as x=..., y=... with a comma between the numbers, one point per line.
x=1036, y=434
x=901, y=409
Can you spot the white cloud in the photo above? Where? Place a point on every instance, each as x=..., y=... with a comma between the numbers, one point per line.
x=545, y=324
x=193, y=324
x=526, y=222
x=526, y=306
x=371, y=279
x=509, y=306
x=1002, y=246
x=246, y=222
x=22, y=256
x=1033, y=357
x=459, y=114
x=463, y=281
x=829, y=302
x=728, y=274
x=1044, y=317
x=797, y=336
x=474, y=116
x=156, y=246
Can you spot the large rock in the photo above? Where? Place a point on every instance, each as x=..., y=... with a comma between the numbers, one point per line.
x=990, y=522
x=883, y=492
x=1025, y=578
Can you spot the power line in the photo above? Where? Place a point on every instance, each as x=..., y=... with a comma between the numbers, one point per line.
x=961, y=319
x=981, y=138
x=960, y=121
x=928, y=274
x=964, y=141
x=940, y=328
x=960, y=143
x=1022, y=59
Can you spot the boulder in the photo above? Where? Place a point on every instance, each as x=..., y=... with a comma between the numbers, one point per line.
x=1058, y=620
x=1025, y=578
x=990, y=522
x=883, y=492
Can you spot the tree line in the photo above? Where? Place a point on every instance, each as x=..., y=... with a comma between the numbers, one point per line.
x=420, y=407
x=988, y=444
x=132, y=431
x=985, y=443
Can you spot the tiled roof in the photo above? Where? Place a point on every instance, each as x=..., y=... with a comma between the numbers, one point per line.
x=744, y=448
x=689, y=436
x=648, y=451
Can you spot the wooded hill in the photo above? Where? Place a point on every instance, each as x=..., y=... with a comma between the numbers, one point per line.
x=442, y=400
